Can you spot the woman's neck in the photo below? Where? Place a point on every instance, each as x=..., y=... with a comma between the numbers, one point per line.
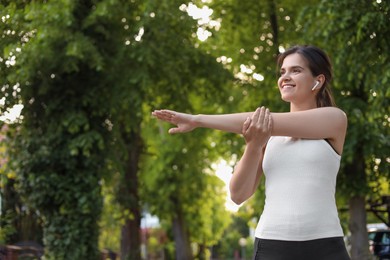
x=301, y=107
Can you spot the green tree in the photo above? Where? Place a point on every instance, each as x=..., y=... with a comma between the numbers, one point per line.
x=18, y=222
x=183, y=192
x=252, y=34
x=164, y=67
x=180, y=76
x=112, y=216
x=58, y=58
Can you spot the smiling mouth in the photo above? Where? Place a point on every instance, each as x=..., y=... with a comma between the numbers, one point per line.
x=287, y=86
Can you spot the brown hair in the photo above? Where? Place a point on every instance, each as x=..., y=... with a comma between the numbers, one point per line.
x=319, y=63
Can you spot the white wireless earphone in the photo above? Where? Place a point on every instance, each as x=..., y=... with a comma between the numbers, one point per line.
x=316, y=85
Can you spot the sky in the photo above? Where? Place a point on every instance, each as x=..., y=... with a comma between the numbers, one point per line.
x=12, y=114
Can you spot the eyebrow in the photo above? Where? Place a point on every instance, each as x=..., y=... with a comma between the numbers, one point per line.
x=293, y=67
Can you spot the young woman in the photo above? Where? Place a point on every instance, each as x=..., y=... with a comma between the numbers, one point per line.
x=299, y=153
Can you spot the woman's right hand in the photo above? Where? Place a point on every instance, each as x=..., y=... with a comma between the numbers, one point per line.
x=257, y=129
x=184, y=122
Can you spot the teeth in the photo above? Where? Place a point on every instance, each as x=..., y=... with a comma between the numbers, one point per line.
x=288, y=86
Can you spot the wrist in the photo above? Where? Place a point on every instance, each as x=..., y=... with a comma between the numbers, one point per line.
x=197, y=120
x=254, y=148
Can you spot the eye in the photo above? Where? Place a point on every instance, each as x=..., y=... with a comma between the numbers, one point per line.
x=282, y=72
x=296, y=70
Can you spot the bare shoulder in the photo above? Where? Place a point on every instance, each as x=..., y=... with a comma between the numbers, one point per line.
x=333, y=110
x=338, y=116
x=339, y=122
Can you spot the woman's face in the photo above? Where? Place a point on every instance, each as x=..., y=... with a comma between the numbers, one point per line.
x=296, y=81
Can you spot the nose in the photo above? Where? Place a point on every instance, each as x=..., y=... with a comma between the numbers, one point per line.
x=285, y=77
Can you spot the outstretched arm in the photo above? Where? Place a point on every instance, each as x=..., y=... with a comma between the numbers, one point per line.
x=187, y=122
x=319, y=123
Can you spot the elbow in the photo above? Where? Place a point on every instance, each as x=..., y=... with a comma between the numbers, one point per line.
x=237, y=199
x=240, y=190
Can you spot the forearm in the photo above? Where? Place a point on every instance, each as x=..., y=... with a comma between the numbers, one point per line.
x=246, y=175
x=227, y=122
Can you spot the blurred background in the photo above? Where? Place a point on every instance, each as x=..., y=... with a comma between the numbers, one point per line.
x=87, y=173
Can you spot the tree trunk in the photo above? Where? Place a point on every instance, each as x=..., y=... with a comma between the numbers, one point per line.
x=130, y=239
x=356, y=178
x=357, y=226
x=202, y=252
x=26, y=223
x=182, y=244
x=128, y=198
x=273, y=17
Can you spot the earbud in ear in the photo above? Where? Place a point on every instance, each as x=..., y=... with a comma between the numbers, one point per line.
x=316, y=85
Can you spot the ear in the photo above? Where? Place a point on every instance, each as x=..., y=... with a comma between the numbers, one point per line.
x=321, y=78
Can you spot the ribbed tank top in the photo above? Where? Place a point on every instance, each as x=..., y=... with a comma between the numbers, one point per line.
x=300, y=183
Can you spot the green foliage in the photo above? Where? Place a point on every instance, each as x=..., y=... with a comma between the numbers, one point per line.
x=66, y=50
x=252, y=34
x=229, y=245
x=18, y=222
x=7, y=229
x=178, y=174
x=167, y=69
x=110, y=221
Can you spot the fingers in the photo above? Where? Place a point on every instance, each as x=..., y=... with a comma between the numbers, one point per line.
x=245, y=126
x=266, y=116
x=260, y=116
x=165, y=115
x=168, y=116
x=255, y=115
x=260, y=119
x=270, y=123
x=173, y=130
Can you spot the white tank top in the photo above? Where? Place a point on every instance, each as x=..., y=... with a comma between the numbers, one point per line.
x=300, y=181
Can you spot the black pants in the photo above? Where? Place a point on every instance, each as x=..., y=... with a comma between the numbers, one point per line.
x=332, y=248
